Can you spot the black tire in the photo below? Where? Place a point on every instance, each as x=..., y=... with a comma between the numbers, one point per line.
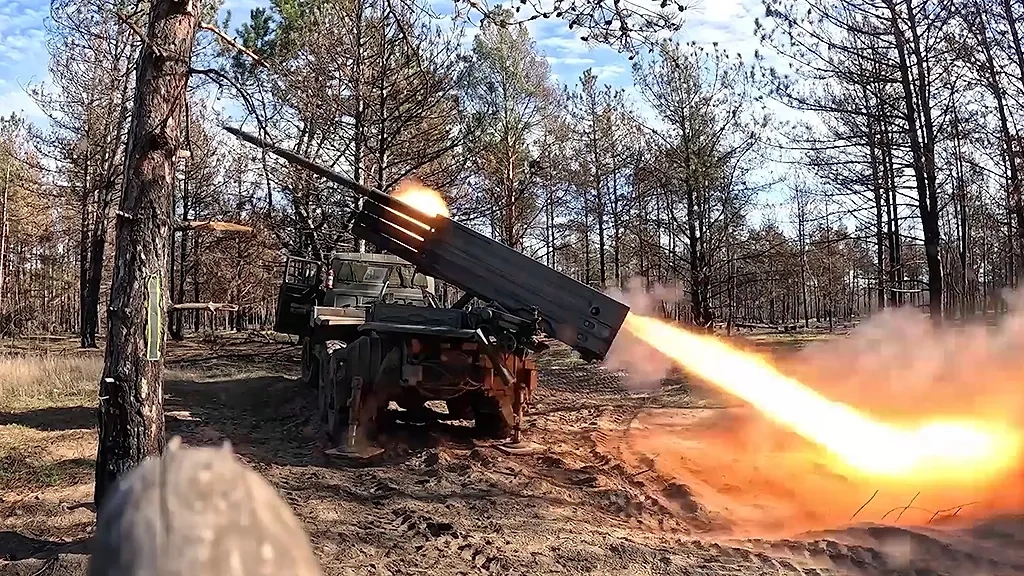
x=461, y=407
x=360, y=358
x=309, y=375
x=339, y=389
x=490, y=420
x=326, y=373
x=323, y=403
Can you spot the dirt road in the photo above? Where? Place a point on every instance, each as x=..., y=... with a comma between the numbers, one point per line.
x=597, y=502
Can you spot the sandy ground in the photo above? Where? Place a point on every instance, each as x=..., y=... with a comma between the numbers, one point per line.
x=666, y=481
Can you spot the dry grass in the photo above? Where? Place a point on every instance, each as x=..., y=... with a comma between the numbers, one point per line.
x=48, y=395
x=31, y=381
x=47, y=445
x=33, y=460
x=45, y=478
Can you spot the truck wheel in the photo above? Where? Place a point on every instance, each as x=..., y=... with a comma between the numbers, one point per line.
x=338, y=389
x=323, y=403
x=325, y=380
x=460, y=407
x=493, y=418
x=309, y=367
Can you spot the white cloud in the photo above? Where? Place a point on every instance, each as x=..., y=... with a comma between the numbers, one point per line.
x=723, y=10
x=607, y=72
x=730, y=23
x=17, y=47
x=19, y=14
x=22, y=55
x=21, y=35
x=563, y=44
x=468, y=36
x=20, y=103
x=570, y=61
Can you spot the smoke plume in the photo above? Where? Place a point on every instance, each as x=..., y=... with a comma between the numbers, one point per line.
x=645, y=367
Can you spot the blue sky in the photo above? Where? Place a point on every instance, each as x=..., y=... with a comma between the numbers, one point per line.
x=23, y=55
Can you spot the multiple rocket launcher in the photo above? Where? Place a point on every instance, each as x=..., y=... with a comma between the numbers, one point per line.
x=568, y=310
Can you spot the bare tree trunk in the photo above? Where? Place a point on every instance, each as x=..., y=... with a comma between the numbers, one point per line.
x=802, y=241
x=176, y=328
x=998, y=95
x=549, y=229
x=3, y=232
x=94, y=279
x=599, y=204
x=876, y=183
x=893, y=223
x=131, y=419
x=924, y=158
x=83, y=259
x=960, y=206
x=359, y=134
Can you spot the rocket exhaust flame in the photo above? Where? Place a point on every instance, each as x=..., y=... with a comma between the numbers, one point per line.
x=948, y=450
x=422, y=198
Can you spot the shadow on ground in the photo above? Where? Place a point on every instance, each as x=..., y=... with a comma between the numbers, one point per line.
x=53, y=419
x=263, y=417
x=15, y=546
x=272, y=420
x=224, y=356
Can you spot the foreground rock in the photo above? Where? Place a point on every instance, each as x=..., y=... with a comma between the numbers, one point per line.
x=198, y=511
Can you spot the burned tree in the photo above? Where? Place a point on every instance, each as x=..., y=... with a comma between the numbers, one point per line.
x=92, y=57
x=711, y=137
x=131, y=421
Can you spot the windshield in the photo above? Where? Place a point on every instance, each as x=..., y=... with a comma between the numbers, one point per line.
x=369, y=272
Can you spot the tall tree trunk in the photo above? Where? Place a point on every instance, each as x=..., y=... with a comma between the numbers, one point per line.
x=893, y=223
x=549, y=232
x=924, y=160
x=177, y=328
x=97, y=248
x=3, y=232
x=83, y=258
x=998, y=95
x=599, y=201
x=876, y=183
x=197, y=315
x=802, y=240
x=358, y=113
x=130, y=416
x=960, y=203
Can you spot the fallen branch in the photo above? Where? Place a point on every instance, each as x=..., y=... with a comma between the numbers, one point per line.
x=957, y=508
x=903, y=509
x=863, y=505
x=217, y=225
x=231, y=42
x=211, y=306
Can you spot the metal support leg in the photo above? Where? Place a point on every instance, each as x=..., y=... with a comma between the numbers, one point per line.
x=518, y=446
x=353, y=413
x=518, y=403
x=351, y=446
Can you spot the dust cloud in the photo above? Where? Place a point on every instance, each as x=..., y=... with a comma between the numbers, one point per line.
x=645, y=366
x=755, y=478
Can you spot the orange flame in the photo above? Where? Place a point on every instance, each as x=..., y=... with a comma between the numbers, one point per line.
x=422, y=198
x=947, y=450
